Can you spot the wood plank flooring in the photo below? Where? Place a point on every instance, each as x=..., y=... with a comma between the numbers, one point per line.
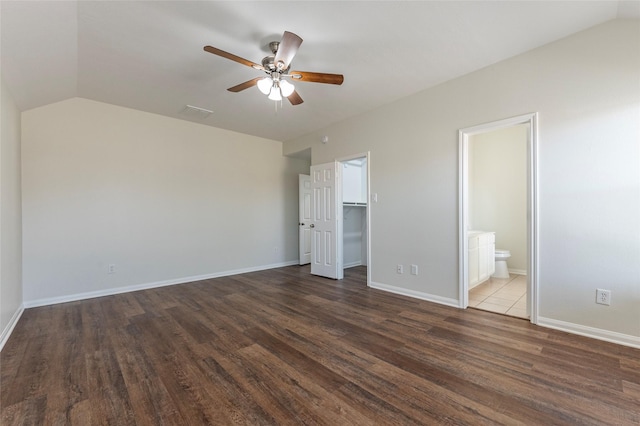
x=284, y=347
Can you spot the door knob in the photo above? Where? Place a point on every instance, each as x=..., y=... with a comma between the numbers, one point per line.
x=312, y=226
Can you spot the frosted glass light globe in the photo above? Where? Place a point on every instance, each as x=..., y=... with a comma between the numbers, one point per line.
x=286, y=88
x=275, y=95
x=264, y=85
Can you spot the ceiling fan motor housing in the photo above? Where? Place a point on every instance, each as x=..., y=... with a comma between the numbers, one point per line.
x=268, y=63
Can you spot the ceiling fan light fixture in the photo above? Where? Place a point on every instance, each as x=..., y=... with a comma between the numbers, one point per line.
x=265, y=85
x=286, y=88
x=275, y=94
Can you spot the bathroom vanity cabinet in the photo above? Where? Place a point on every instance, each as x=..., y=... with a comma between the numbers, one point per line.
x=482, y=251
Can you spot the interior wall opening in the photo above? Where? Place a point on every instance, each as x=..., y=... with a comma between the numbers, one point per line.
x=336, y=206
x=497, y=227
x=498, y=231
x=354, y=212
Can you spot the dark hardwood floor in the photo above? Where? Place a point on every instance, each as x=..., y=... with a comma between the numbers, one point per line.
x=284, y=347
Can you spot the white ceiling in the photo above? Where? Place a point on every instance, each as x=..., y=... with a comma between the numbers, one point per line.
x=148, y=55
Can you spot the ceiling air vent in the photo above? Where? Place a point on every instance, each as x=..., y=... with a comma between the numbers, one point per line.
x=196, y=112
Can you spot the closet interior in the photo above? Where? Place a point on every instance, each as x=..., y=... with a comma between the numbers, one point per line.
x=354, y=204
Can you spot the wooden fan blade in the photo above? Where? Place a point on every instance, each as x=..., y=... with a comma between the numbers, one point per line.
x=317, y=77
x=287, y=50
x=295, y=98
x=233, y=57
x=240, y=87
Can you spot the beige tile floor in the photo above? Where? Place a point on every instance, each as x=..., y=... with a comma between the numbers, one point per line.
x=502, y=295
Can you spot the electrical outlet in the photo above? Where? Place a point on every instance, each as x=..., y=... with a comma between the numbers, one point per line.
x=111, y=269
x=400, y=269
x=414, y=269
x=603, y=297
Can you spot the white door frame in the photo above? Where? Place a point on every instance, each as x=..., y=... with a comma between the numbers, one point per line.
x=342, y=160
x=532, y=206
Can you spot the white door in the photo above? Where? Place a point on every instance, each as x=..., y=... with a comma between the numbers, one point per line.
x=304, y=218
x=325, y=215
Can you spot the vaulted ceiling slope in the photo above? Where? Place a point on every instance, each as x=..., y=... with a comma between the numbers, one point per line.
x=148, y=55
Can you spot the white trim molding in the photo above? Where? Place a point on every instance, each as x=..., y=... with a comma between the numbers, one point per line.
x=6, y=333
x=137, y=287
x=415, y=294
x=594, y=333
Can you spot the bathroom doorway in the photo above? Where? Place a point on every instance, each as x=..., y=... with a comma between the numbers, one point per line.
x=497, y=217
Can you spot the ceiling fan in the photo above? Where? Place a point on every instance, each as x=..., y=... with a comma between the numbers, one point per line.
x=277, y=67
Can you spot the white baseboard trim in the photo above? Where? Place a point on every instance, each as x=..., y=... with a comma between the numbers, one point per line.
x=10, y=326
x=594, y=333
x=352, y=265
x=518, y=271
x=416, y=294
x=127, y=289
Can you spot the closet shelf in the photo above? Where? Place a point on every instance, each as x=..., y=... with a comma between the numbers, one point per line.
x=355, y=204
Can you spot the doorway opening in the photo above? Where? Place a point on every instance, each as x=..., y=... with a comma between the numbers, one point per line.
x=498, y=217
x=337, y=217
x=354, y=214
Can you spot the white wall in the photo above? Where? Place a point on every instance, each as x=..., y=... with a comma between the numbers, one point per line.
x=10, y=215
x=587, y=93
x=498, y=189
x=162, y=199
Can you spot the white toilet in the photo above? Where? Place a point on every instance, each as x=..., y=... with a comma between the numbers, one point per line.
x=502, y=271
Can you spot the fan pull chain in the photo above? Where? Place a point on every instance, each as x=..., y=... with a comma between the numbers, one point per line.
x=276, y=106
